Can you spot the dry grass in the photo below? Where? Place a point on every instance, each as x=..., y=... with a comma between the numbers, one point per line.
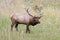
x=49, y=29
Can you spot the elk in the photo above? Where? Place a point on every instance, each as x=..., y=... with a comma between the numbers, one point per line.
x=26, y=19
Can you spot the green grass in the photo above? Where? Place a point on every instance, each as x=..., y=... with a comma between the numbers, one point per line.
x=49, y=29
x=52, y=5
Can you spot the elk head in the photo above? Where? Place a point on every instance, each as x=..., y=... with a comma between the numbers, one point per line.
x=35, y=19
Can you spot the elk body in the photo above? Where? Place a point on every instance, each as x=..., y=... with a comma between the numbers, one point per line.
x=26, y=19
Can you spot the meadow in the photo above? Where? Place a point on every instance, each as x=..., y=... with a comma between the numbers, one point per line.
x=48, y=29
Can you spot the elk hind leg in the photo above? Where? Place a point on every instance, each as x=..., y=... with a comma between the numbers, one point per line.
x=16, y=26
x=12, y=26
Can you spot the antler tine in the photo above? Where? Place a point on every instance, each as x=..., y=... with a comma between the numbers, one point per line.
x=26, y=9
x=28, y=12
x=41, y=14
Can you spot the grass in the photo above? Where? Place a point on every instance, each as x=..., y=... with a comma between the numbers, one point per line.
x=49, y=29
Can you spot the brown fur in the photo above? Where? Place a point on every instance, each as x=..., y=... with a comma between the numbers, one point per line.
x=26, y=19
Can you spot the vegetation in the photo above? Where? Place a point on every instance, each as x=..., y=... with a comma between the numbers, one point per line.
x=48, y=29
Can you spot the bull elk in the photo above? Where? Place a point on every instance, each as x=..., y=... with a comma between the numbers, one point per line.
x=26, y=19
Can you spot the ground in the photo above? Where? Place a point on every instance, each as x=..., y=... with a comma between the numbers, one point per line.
x=48, y=29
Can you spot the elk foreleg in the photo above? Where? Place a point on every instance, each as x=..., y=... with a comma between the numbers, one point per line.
x=27, y=29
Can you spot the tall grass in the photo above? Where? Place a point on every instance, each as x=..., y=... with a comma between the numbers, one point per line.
x=48, y=29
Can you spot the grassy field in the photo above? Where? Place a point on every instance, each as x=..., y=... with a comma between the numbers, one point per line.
x=48, y=29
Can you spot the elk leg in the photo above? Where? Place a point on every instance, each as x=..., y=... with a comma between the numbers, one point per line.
x=27, y=29
x=16, y=26
x=12, y=26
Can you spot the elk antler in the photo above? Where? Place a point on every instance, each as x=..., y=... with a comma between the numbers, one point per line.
x=28, y=12
x=39, y=10
x=40, y=15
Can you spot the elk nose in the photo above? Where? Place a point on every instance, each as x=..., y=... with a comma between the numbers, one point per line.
x=39, y=22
